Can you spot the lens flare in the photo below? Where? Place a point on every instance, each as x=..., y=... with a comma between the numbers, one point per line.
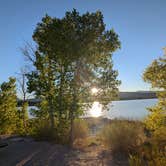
x=94, y=90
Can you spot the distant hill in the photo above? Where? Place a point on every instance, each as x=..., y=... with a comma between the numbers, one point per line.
x=137, y=95
x=122, y=96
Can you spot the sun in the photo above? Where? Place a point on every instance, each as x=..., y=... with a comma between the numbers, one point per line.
x=96, y=109
x=94, y=90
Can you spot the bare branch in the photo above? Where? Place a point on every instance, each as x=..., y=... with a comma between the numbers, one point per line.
x=29, y=52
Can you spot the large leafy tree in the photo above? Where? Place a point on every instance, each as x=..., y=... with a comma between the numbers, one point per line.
x=8, y=107
x=73, y=55
x=154, y=153
x=156, y=75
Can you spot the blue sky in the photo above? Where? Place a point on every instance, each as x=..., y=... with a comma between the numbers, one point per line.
x=140, y=24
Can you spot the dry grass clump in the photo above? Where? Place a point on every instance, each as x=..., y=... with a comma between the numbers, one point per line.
x=123, y=136
x=80, y=129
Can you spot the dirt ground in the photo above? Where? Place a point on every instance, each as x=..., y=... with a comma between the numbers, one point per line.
x=28, y=152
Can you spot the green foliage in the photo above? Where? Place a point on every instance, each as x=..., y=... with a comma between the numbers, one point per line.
x=73, y=54
x=8, y=107
x=22, y=122
x=159, y=137
x=157, y=117
x=41, y=130
x=25, y=110
x=156, y=121
x=153, y=152
x=41, y=111
x=155, y=74
x=123, y=136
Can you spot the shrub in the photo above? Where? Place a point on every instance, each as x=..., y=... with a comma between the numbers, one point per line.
x=123, y=136
x=41, y=130
x=156, y=157
x=159, y=137
x=20, y=130
x=152, y=153
x=149, y=156
x=135, y=160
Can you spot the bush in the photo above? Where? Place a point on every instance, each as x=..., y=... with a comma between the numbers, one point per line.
x=149, y=156
x=135, y=160
x=20, y=130
x=159, y=137
x=123, y=136
x=152, y=153
x=40, y=130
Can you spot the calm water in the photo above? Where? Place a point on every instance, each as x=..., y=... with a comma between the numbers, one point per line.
x=127, y=109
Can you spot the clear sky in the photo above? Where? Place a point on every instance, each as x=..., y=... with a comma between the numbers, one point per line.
x=140, y=24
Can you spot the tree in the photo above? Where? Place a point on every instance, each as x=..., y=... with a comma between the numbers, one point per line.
x=156, y=75
x=73, y=54
x=8, y=107
x=22, y=87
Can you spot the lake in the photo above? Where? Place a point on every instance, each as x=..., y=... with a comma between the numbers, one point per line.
x=126, y=109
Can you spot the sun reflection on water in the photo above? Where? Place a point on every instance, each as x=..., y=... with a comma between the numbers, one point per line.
x=96, y=109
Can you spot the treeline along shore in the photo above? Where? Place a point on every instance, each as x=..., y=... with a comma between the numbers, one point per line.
x=122, y=96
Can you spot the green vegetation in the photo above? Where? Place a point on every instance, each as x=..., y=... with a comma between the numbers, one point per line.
x=72, y=55
x=156, y=75
x=23, y=111
x=8, y=107
x=153, y=152
x=11, y=118
x=40, y=130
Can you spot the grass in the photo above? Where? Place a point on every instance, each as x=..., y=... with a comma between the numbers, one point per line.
x=123, y=136
x=80, y=129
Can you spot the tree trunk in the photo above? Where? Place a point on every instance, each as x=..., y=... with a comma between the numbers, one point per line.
x=51, y=115
x=74, y=103
x=73, y=109
x=50, y=94
x=61, y=109
x=24, y=114
x=71, y=131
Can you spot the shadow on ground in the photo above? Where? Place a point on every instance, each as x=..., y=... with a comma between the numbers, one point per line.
x=27, y=152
